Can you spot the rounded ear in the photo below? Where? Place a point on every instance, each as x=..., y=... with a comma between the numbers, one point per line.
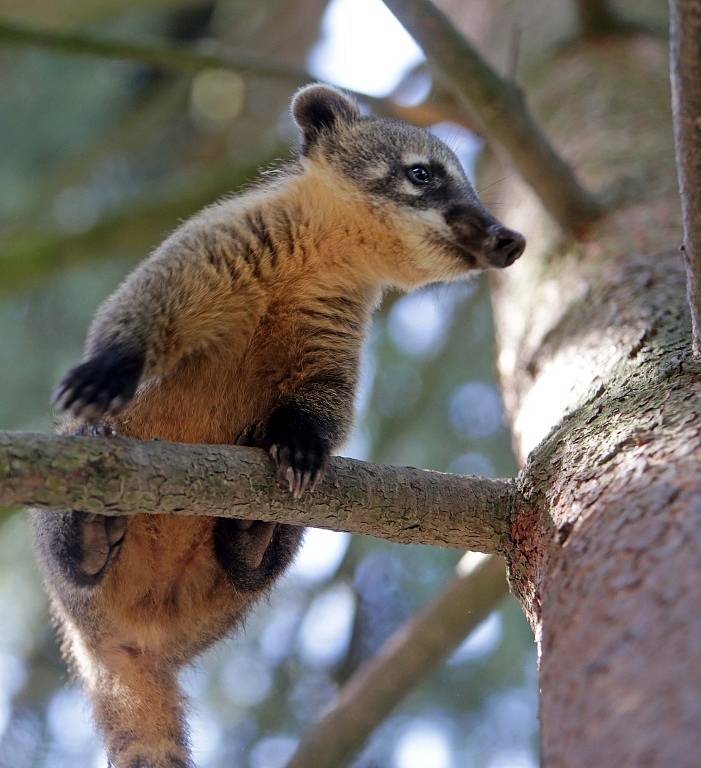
x=317, y=108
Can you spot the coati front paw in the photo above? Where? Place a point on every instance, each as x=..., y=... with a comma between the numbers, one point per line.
x=89, y=543
x=297, y=446
x=103, y=384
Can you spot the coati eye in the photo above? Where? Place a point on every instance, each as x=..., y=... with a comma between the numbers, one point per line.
x=419, y=174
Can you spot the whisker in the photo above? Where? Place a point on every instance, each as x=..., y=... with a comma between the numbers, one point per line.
x=494, y=183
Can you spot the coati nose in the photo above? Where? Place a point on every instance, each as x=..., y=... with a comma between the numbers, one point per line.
x=504, y=246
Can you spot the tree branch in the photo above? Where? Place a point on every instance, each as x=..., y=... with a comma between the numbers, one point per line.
x=185, y=59
x=133, y=228
x=119, y=476
x=153, y=54
x=501, y=107
x=408, y=656
x=685, y=63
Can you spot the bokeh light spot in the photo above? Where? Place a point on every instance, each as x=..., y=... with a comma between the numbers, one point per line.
x=217, y=96
x=476, y=410
x=418, y=324
x=422, y=745
x=272, y=752
x=326, y=629
x=481, y=642
x=473, y=463
x=247, y=679
x=320, y=555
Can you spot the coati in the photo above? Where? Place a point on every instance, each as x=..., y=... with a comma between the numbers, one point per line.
x=245, y=326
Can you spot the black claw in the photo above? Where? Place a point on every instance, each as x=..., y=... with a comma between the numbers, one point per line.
x=102, y=400
x=102, y=384
x=304, y=457
x=297, y=446
x=95, y=430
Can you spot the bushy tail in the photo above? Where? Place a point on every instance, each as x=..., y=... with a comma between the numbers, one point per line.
x=139, y=709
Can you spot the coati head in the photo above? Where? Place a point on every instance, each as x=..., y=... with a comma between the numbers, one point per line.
x=414, y=183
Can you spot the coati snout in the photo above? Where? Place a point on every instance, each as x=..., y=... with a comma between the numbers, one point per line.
x=504, y=246
x=483, y=238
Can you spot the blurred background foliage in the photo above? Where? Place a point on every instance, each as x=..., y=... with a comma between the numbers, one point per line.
x=101, y=159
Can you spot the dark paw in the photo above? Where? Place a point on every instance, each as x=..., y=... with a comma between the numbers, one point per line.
x=103, y=384
x=298, y=448
x=92, y=544
x=300, y=462
x=254, y=553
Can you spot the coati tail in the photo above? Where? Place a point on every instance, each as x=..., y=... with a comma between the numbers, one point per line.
x=139, y=709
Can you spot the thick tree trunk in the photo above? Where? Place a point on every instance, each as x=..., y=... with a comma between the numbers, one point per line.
x=685, y=38
x=604, y=396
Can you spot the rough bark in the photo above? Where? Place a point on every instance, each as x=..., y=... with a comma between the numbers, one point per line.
x=118, y=476
x=604, y=395
x=609, y=551
x=685, y=61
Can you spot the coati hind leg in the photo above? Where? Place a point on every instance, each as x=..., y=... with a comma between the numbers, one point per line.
x=255, y=553
x=78, y=546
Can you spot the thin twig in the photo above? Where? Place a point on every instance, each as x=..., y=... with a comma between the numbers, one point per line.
x=500, y=106
x=514, y=52
x=404, y=660
x=685, y=63
x=119, y=476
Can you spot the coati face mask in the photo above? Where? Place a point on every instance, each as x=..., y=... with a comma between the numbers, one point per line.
x=413, y=180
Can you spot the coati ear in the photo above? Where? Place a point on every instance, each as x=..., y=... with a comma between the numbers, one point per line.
x=317, y=108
